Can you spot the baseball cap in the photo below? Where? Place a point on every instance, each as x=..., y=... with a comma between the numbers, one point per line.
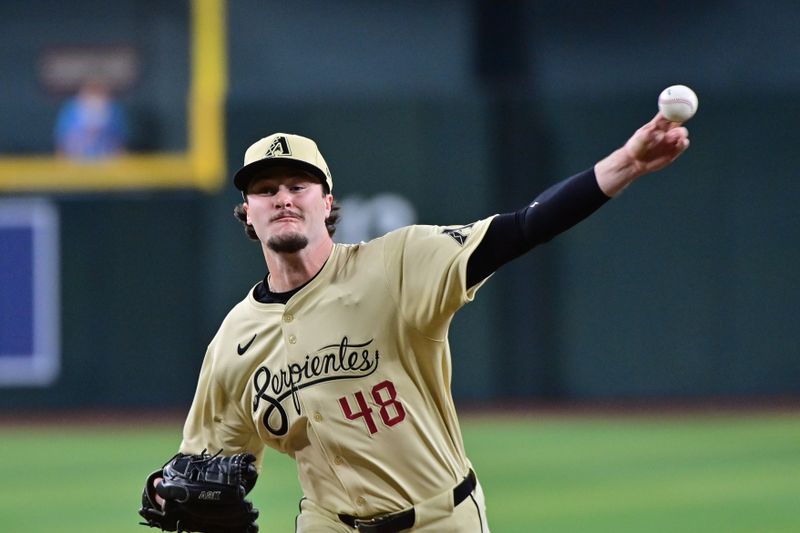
x=282, y=149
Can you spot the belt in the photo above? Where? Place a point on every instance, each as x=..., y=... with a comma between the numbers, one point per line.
x=395, y=522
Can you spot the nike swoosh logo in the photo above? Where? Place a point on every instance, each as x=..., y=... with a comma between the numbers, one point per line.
x=241, y=349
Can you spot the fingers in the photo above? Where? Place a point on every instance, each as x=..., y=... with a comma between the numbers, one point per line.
x=678, y=137
x=675, y=142
x=660, y=128
x=676, y=133
x=663, y=123
x=660, y=131
x=159, y=500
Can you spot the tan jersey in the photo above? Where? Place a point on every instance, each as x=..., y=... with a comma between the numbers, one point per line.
x=351, y=377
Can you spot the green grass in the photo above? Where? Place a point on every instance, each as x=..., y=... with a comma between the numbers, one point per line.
x=664, y=474
x=571, y=474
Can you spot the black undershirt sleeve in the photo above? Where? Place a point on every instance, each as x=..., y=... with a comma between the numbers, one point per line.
x=554, y=211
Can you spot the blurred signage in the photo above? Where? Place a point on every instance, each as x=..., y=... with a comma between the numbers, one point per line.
x=65, y=69
x=29, y=292
x=368, y=218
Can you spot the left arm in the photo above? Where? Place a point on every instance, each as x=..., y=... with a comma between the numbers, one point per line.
x=651, y=148
x=554, y=211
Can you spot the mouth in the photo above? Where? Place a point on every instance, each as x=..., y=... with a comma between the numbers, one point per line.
x=283, y=217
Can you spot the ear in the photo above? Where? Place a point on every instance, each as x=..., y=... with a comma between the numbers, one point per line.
x=328, y=198
x=246, y=208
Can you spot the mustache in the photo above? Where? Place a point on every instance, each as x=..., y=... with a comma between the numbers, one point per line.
x=286, y=213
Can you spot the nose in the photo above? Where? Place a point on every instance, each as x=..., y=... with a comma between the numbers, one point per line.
x=282, y=198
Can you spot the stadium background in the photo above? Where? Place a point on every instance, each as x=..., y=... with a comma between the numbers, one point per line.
x=682, y=291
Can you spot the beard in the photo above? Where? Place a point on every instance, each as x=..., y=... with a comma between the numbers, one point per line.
x=288, y=244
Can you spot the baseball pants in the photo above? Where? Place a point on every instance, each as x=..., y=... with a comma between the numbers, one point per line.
x=436, y=515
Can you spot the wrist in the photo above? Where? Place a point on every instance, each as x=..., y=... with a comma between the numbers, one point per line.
x=616, y=171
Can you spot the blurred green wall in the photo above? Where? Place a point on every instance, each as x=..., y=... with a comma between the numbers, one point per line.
x=684, y=286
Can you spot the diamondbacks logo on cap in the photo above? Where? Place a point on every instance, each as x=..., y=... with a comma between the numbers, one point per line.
x=278, y=147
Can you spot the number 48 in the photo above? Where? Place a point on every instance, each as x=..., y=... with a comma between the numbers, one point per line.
x=385, y=396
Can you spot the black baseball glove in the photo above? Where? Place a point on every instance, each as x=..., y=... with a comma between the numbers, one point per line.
x=203, y=493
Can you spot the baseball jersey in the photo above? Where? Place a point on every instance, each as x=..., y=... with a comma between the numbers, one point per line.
x=351, y=377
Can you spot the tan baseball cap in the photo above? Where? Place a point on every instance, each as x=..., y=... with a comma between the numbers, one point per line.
x=282, y=149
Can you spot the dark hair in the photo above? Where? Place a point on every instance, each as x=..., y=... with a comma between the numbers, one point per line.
x=330, y=222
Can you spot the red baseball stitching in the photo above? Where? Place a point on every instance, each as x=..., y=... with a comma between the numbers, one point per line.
x=676, y=101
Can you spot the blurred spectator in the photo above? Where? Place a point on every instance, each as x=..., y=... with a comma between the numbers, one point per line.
x=91, y=125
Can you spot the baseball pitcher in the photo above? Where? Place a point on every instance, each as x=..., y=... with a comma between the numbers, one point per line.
x=339, y=357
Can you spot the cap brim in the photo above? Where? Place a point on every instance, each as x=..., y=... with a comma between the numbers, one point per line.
x=245, y=174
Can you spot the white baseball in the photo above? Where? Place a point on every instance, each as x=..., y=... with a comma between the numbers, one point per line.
x=678, y=103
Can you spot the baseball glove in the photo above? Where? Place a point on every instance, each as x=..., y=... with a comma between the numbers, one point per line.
x=203, y=493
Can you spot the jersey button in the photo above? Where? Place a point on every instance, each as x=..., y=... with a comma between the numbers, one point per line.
x=292, y=339
x=360, y=501
x=288, y=317
x=317, y=417
x=338, y=460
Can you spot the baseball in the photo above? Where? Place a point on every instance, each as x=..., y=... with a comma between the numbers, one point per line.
x=678, y=103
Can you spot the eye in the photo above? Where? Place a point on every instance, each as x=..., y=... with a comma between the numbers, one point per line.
x=266, y=191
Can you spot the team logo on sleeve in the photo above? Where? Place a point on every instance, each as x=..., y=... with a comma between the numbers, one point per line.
x=460, y=233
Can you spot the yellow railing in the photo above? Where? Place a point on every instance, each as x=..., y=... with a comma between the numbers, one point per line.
x=201, y=166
